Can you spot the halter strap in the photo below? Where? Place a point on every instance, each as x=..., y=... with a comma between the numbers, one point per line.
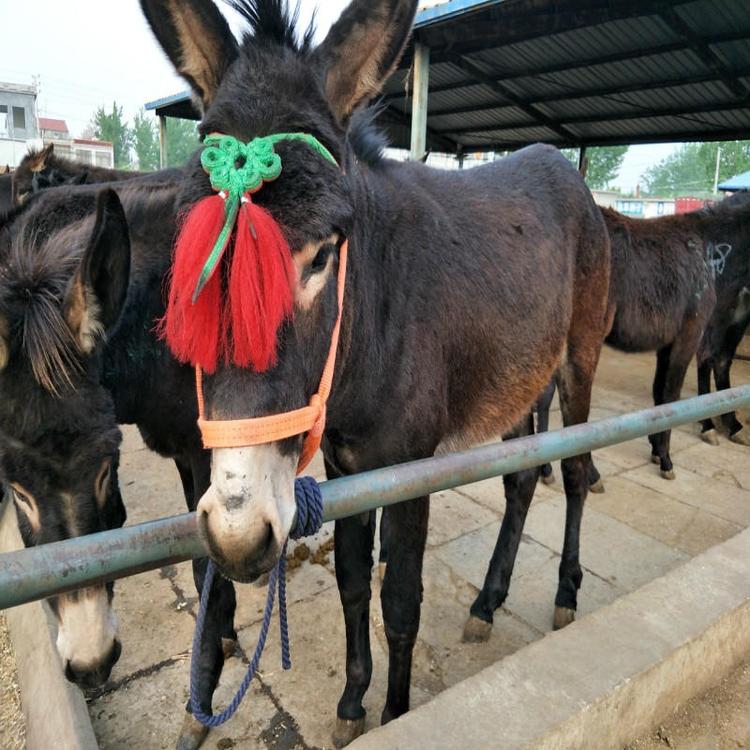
x=242, y=433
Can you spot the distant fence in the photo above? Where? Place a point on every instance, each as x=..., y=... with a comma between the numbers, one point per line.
x=39, y=572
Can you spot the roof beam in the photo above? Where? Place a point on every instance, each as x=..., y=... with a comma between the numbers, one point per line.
x=727, y=134
x=610, y=91
x=703, y=49
x=616, y=57
x=607, y=117
x=508, y=96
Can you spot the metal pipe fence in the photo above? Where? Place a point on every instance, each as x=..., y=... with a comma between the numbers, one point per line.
x=39, y=572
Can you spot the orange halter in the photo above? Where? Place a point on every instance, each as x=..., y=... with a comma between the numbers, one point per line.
x=242, y=433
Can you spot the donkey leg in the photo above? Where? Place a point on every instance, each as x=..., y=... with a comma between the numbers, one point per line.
x=519, y=491
x=708, y=431
x=219, y=636
x=722, y=366
x=575, y=383
x=542, y=418
x=401, y=597
x=676, y=361
x=383, y=556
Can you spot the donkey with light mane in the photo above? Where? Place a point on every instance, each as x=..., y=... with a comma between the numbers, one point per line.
x=449, y=332
x=78, y=357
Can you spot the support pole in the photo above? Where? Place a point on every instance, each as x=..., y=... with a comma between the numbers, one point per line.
x=583, y=162
x=55, y=568
x=419, y=101
x=162, y=142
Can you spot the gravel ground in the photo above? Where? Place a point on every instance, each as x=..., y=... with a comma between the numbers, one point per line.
x=12, y=728
x=717, y=720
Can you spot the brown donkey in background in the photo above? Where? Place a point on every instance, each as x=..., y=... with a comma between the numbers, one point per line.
x=449, y=330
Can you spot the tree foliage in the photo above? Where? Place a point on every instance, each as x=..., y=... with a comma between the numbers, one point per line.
x=691, y=169
x=111, y=126
x=182, y=141
x=146, y=142
x=604, y=164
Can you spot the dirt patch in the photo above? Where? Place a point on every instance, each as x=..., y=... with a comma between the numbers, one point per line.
x=717, y=720
x=12, y=726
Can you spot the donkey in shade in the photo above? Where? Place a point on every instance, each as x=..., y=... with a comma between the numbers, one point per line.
x=43, y=169
x=680, y=285
x=449, y=332
x=6, y=193
x=78, y=357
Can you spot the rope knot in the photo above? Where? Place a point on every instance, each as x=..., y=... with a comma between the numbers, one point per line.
x=309, y=501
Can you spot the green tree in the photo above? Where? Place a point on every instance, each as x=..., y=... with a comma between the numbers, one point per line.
x=182, y=141
x=111, y=126
x=604, y=164
x=692, y=168
x=145, y=142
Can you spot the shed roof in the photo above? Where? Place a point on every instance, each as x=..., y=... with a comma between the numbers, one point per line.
x=739, y=182
x=505, y=73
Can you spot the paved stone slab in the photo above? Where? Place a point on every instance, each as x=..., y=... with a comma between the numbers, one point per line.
x=453, y=515
x=491, y=494
x=727, y=463
x=612, y=550
x=154, y=625
x=659, y=516
x=721, y=499
x=604, y=679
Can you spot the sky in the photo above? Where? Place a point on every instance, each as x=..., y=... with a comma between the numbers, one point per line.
x=87, y=53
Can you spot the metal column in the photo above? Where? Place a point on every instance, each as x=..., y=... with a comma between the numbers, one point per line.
x=419, y=101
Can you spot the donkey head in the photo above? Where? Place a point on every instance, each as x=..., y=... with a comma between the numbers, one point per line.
x=271, y=83
x=41, y=170
x=64, y=269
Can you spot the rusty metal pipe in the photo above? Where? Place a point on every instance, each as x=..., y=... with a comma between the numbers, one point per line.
x=63, y=566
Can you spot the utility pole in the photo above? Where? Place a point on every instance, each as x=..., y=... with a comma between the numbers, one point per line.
x=718, y=164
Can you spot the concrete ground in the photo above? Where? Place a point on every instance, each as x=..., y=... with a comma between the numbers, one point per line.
x=641, y=528
x=12, y=727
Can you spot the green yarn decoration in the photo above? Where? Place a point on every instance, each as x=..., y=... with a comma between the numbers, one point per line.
x=236, y=169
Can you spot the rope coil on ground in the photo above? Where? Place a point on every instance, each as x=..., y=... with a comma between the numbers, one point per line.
x=309, y=520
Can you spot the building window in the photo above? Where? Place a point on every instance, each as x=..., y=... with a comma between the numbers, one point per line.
x=83, y=155
x=102, y=159
x=3, y=120
x=19, y=118
x=660, y=208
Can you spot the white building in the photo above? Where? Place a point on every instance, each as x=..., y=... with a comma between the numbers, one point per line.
x=17, y=122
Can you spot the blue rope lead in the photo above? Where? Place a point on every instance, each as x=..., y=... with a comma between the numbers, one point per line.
x=309, y=519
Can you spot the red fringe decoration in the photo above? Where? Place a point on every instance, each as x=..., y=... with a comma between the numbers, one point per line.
x=260, y=288
x=192, y=331
x=244, y=330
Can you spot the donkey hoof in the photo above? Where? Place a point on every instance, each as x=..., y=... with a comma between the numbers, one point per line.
x=710, y=436
x=548, y=480
x=741, y=437
x=667, y=474
x=563, y=617
x=347, y=730
x=192, y=734
x=381, y=571
x=597, y=487
x=228, y=647
x=477, y=630
x=655, y=459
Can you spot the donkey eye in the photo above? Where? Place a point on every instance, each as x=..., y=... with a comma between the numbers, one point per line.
x=101, y=485
x=22, y=496
x=321, y=259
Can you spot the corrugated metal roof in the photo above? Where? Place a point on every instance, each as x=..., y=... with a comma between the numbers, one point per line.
x=573, y=72
x=585, y=73
x=739, y=182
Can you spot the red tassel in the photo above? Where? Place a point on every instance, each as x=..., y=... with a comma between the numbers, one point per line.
x=260, y=288
x=192, y=331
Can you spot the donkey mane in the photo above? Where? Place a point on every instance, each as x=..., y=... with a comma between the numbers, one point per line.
x=274, y=22
x=34, y=286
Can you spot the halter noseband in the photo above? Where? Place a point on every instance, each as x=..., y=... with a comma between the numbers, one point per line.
x=238, y=170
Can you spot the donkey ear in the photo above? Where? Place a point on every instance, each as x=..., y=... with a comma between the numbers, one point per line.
x=4, y=343
x=196, y=38
x=362, y=49
x=38, y=161
x=98, y=291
